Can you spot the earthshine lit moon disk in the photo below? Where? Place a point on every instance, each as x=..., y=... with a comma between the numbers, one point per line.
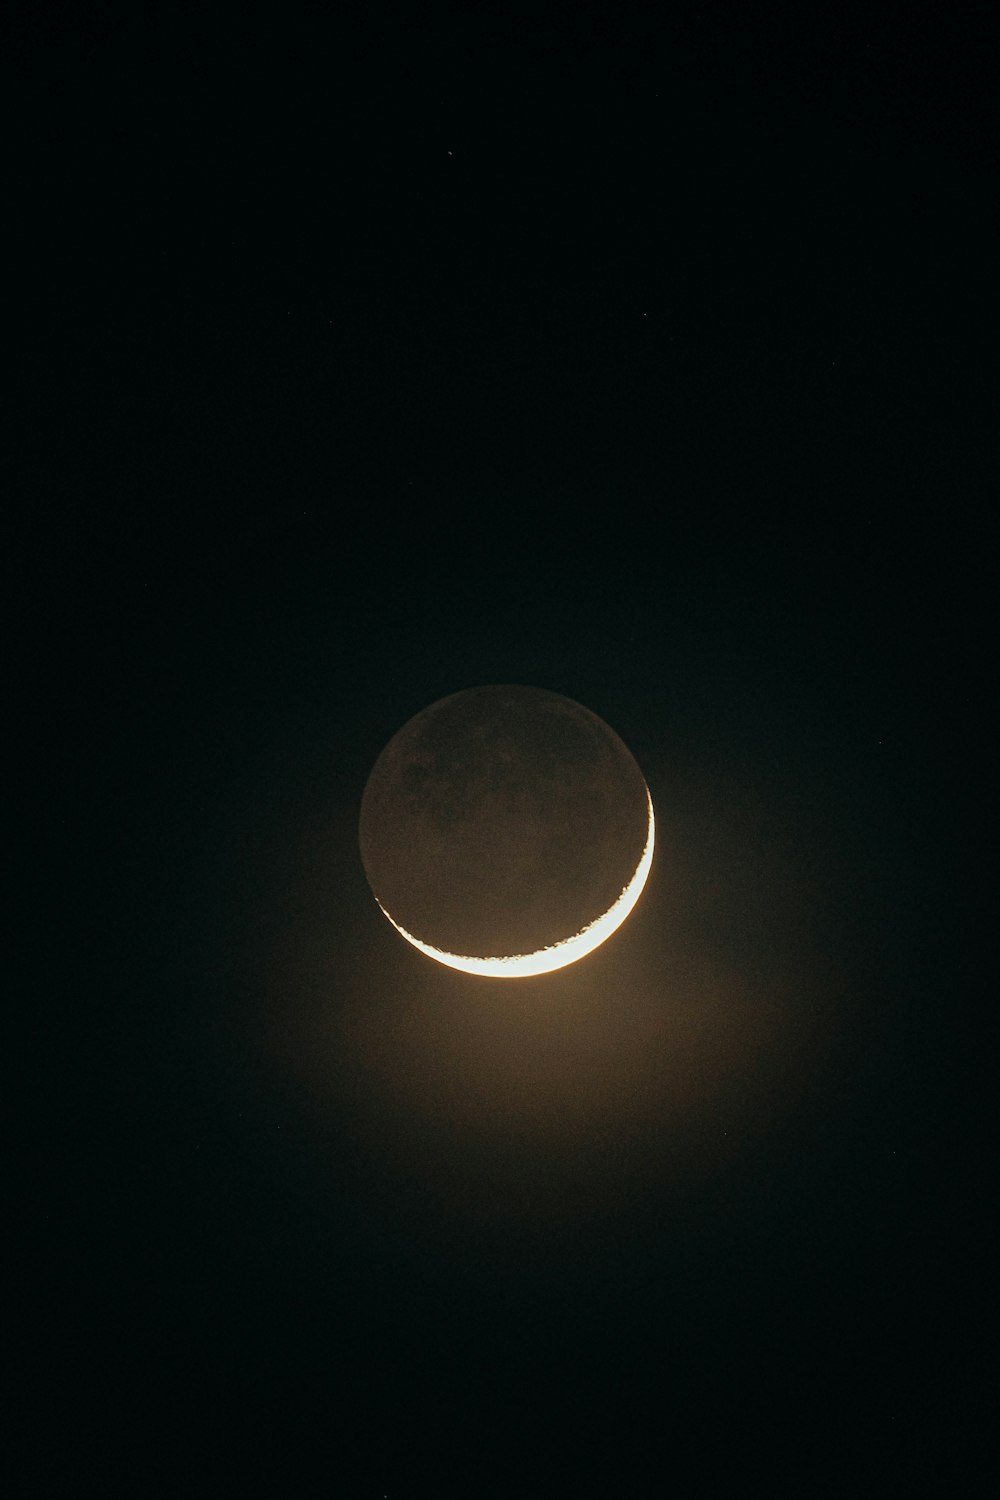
x=506, y=831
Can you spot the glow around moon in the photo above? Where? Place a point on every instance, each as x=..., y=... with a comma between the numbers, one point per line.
x=557, y=955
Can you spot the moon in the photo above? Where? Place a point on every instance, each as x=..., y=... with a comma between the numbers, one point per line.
x=506, y=831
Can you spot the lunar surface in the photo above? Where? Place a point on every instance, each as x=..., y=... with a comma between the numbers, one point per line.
x=506, y=831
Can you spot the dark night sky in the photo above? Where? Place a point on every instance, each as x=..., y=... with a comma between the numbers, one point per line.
x=366, y=360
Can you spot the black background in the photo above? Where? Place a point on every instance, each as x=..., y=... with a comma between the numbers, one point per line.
x=369, y=356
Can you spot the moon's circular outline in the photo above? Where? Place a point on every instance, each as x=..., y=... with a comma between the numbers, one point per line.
x=556, y=955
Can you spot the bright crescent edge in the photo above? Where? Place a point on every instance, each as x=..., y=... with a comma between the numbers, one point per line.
x=557, y=955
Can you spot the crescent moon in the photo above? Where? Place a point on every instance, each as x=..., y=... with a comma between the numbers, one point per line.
x=506, y=815
x=557, y=955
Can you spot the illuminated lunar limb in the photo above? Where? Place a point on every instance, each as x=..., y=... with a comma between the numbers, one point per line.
x=558, y=955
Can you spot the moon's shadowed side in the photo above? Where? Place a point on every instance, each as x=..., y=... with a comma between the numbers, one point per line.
x=502, y=820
